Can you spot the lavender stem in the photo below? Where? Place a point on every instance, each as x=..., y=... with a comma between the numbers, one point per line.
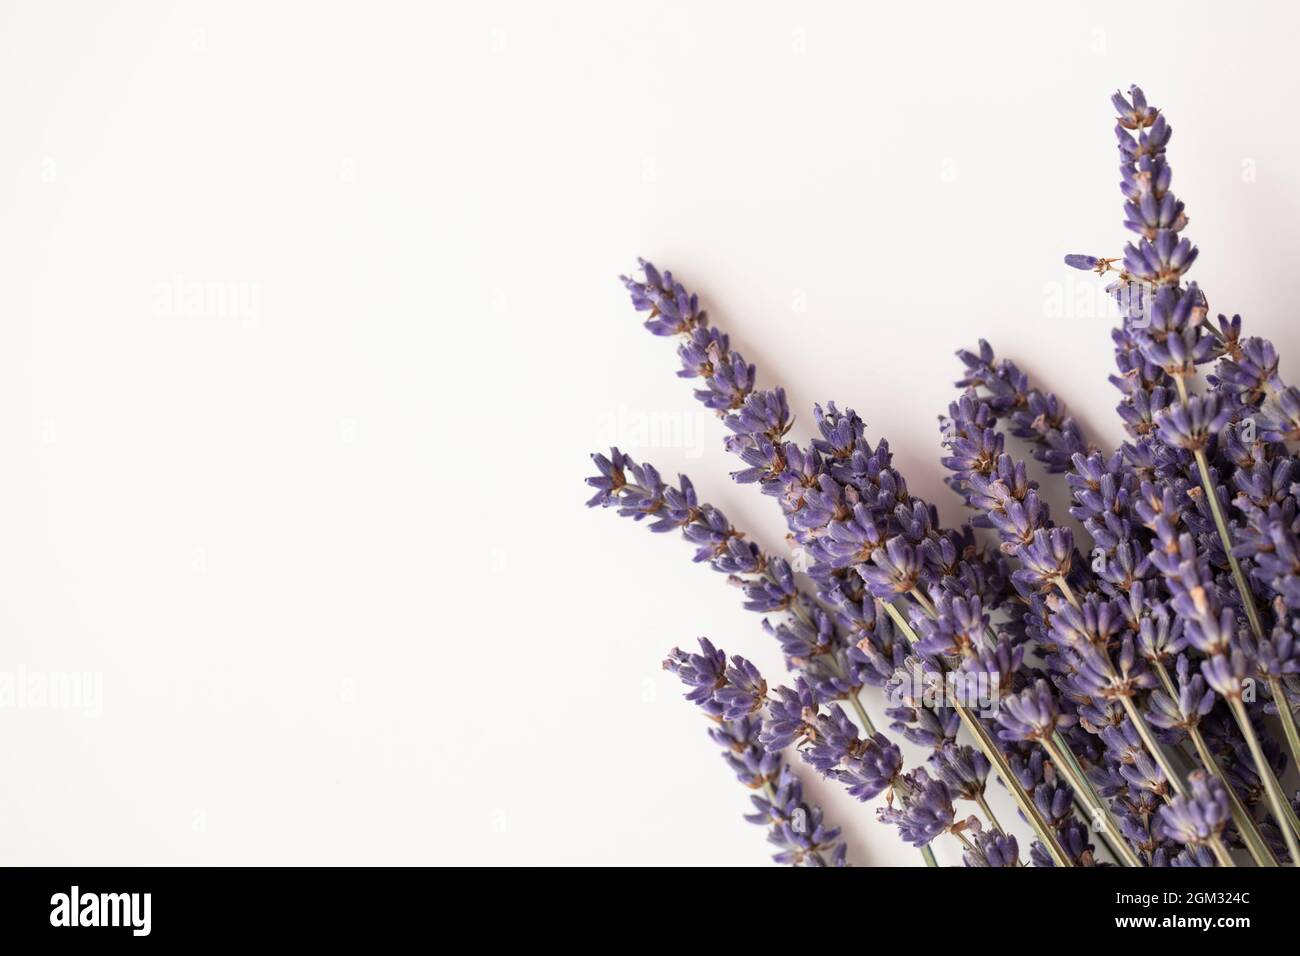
x=1286, y=818
x=1153, y=745
x=1276, y=798
x=1284, y=713
x=988, y=811
x=1221, y=523
x=1246, y=826
x=996, y=757
x=1086, y=797
x=1099, y=813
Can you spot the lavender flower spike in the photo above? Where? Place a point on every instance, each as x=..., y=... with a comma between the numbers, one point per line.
x=1198, y=818
x=795, y=828
x=1118, y=654
x=1032, y=714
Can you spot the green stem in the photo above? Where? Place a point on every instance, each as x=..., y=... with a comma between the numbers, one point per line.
x=924, y=601
x=1100, y=814
x=1291, y=815
x=1287, y=717
x=854, y=698
x=999, y=761
x=1152, y=745
x=1246, y=826
x=1067, y=591
x=869, y=728
x=1221, y=852
x=1276, y=799
x=1089, y=801
x=988, y=811
x=1282, y=809
x=1134, y=715
x=1120, y=856
x=1221, y=523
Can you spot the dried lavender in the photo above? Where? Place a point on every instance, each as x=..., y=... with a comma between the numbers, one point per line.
x=841, y=497
x=827, y=668
x=1185, y=444
x=1115, y=660
x=730, y=696
x=814, y=647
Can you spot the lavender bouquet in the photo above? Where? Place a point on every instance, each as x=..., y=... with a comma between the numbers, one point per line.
x=1133, y=693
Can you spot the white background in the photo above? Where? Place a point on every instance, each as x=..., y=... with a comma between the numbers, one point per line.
x=318, y=526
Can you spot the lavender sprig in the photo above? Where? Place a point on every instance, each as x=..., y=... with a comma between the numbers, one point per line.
x=814, y=650
x=840, y=495
x=795, y=827
x=1193, y=570
x=812, y=644
x=1160, y=344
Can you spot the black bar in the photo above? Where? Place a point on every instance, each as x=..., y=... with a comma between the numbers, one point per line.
x=362, y=905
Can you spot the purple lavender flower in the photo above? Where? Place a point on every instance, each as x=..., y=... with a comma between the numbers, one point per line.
x=963, y=769
x=928, y=812
x=1201, y=815
x=744, y=693
x=866, y=766
x=1033, y=415
x=1032, y=714
x=993, y=848
x=1194, y=701
x=702, y=673
x=1191, y=426
x=1133, y=110
x=672, y=309
x=895, y=569
x=796, y=828
x=1180, y=573
x=813, y=645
